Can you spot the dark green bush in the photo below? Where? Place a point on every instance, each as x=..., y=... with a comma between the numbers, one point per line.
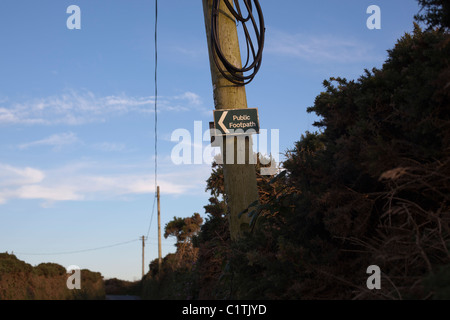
x=49, y=270
x=10, y=264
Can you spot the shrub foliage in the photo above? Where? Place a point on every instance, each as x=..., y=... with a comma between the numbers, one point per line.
x=370, y=187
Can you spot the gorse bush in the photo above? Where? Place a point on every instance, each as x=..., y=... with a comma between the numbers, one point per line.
x=10, y=264
x=47, y=281
x=371, y=187
x=49, y=270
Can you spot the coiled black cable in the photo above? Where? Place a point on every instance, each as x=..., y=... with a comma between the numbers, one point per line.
x=239, y=76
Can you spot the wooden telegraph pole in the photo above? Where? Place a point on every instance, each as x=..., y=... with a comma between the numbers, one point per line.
x=159, y=230
x=240, y=179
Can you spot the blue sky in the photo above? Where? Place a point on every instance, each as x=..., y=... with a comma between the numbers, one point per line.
x=77, y=114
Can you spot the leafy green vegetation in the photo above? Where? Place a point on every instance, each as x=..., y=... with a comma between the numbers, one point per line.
x=47, y=281
x=49, y=270
x=437, y=13
x=10, y=264
x=370, y=187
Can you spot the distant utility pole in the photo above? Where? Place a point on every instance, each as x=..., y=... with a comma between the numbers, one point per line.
x=159, y=230
x=143, y=245
x=240, y=179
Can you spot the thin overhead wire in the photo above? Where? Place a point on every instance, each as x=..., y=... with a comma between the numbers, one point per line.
x=156, y=116
x=156, y=94
x=239, y=75
x=77, y=251
x=151, y=219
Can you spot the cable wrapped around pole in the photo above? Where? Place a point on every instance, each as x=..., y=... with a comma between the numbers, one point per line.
x=239, y=75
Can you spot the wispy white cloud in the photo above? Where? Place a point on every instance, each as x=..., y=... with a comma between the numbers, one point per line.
x=60, y=140
x=191, y=97
x=70, y=108
x=318, y=48
x=77, y=108
x=76, y=183
x=61, y=193
x=12, y=176
x=56, y=141
x=109, y=147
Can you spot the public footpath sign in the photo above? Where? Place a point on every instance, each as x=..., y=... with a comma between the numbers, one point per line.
x=236, y=121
